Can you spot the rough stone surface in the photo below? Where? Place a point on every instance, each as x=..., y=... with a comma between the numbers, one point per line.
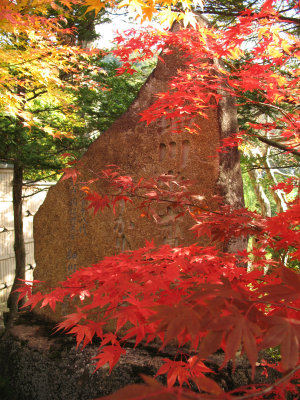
x=67, y=236
x=35, y=365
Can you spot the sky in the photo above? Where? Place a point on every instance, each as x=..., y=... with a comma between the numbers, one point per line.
x=120, y=22
x=107, y=32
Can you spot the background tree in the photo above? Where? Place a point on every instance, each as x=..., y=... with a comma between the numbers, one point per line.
x=35, y=154
x=263, y=162
x=38, y=122
x=102, y=98
x=226, y=12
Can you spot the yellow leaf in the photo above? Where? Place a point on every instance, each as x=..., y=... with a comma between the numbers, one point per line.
x=123, y=3
x=262, y=32
x=236, y=53
x=286, y=46
x=281, y=80
x=25, y=115
x=94, y=5
x=274, y=52
x=167, y=16
x=189, y=19
x=278, y=98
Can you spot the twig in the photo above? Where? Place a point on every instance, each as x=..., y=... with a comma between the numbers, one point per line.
x=269, y=388
x=277, y=145
x=275, y=304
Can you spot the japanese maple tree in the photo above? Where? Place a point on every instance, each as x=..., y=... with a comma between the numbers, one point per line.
x=38, y=71
x=196, y=296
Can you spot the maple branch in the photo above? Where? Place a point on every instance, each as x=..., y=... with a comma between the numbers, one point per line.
x=34, y=193
x=208, y=9
x=228, y=13
x=171, y=202
x=41, y=110
x=37, y=94
x=280, y=17
x=289, y=19
x=275, y=304
x=26, y=61
x=135, y=195
x=271, y=105
x=269, y=388
x=277, y=145
x=252, y=167
x=32, y=182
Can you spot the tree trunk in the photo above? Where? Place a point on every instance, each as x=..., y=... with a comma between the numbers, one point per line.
x=230, y=180
x=277, y=195
x=260, y=194
x=19, y=244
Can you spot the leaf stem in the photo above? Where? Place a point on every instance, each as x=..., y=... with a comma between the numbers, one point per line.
x=269, y=388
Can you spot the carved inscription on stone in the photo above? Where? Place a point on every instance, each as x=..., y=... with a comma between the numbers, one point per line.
x=171, y=227
x=185, y=152
x=78, y=221
x=174, y=154
x=122, y=242
x=170, y=150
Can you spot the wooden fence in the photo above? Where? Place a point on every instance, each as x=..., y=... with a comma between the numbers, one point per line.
x=33, y=197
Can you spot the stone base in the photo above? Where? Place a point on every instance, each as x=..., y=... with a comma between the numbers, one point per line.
x=38, y=365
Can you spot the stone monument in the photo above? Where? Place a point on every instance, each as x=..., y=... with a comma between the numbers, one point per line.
x=68, y=236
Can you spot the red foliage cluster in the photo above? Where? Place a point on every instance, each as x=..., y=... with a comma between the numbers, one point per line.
x=198, y=296
x=195, y=296
x=208, y=52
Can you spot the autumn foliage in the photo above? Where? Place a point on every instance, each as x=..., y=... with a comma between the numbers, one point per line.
x=39, y=55
x=196, y=297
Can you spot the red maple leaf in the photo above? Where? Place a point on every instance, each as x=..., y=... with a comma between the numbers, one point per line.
x=97, y=202
x=109, y=354
x=174, y=370
x=70, y=173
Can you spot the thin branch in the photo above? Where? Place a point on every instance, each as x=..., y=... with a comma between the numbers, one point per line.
x=41, y=110
x=270, y=104
x=26, y=61
x=277, y=145
x=140, y=196
x=284, y=174
x=289, y=19
x=274, y=154
x=281, y=173
x=274, y=304
x=30, y=183
x=228, y=13
x=287, y=9
x=270, y=388
x=34, y=193
x=35, y=95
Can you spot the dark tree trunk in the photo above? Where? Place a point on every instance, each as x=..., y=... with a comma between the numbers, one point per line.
x=19, y=244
